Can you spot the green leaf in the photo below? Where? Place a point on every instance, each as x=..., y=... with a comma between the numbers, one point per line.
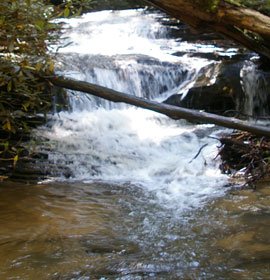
x=66, y=12
x=5, y=144
x=15, y=159
x=40, y=24
x=50, y=26
x=39, y=66
x=28, y=2
x=78, y=12
x=25, y=106
x=9, y=86
x=8, y=125
x=2, y=20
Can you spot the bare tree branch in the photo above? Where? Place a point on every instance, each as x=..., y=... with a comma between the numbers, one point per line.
x=169, y=110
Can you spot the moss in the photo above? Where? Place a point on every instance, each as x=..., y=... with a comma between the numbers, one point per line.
x=208, y=5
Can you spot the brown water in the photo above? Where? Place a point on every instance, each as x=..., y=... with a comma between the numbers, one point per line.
x=103, y=231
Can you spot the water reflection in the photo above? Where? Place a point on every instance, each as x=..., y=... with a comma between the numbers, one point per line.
x=101, y=231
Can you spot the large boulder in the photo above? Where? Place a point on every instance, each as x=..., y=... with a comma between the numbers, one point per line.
x=226, y=95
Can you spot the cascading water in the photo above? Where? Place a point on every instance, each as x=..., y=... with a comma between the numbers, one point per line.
x=256, y=86
x=143, y=197
x=128, y=51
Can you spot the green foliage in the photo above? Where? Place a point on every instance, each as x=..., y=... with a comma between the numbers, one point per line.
x=72, y=8
x=25, y=27
x=212, y=5
x=27, y=31
x=208, y=5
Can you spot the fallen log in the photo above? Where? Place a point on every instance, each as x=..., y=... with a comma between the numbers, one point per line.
x=246, y=26
x=168, y=110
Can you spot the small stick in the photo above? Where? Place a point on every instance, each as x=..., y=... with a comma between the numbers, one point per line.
x=199, y=152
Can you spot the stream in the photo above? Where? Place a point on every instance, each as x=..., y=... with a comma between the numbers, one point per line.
x=134, y=194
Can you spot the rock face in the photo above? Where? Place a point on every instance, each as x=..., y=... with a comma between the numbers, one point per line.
x=223, y=95
x=137, y=75
x=240, y=89
x=256, y=85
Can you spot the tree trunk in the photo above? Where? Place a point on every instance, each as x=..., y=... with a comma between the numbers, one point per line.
x=245, y=26
x=169, y=110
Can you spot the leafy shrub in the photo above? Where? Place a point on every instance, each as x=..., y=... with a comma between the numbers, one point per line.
x=27, y=31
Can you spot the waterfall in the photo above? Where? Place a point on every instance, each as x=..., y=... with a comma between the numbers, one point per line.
x=138, y=75
x=256, y=86
x=135, y=194
x=99, y=141
x=128, y=51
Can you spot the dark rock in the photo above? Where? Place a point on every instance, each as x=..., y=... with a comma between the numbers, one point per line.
x=225, y=94
x=117, y=4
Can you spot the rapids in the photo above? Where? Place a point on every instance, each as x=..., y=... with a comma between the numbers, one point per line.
x=130, y=51
x=143, y=197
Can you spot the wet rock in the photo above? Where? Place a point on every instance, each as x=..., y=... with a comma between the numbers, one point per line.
x=256, y=85
x=218, y=96
x=138, y=75
x=233, y=87
x=107, y=245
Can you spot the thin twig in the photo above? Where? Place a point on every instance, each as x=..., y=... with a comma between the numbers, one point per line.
x=199, y=152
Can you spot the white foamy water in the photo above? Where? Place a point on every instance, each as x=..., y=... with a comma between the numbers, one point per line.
x=138, y=147
x=119, y=32
x=129, y=145
x=128, y=32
